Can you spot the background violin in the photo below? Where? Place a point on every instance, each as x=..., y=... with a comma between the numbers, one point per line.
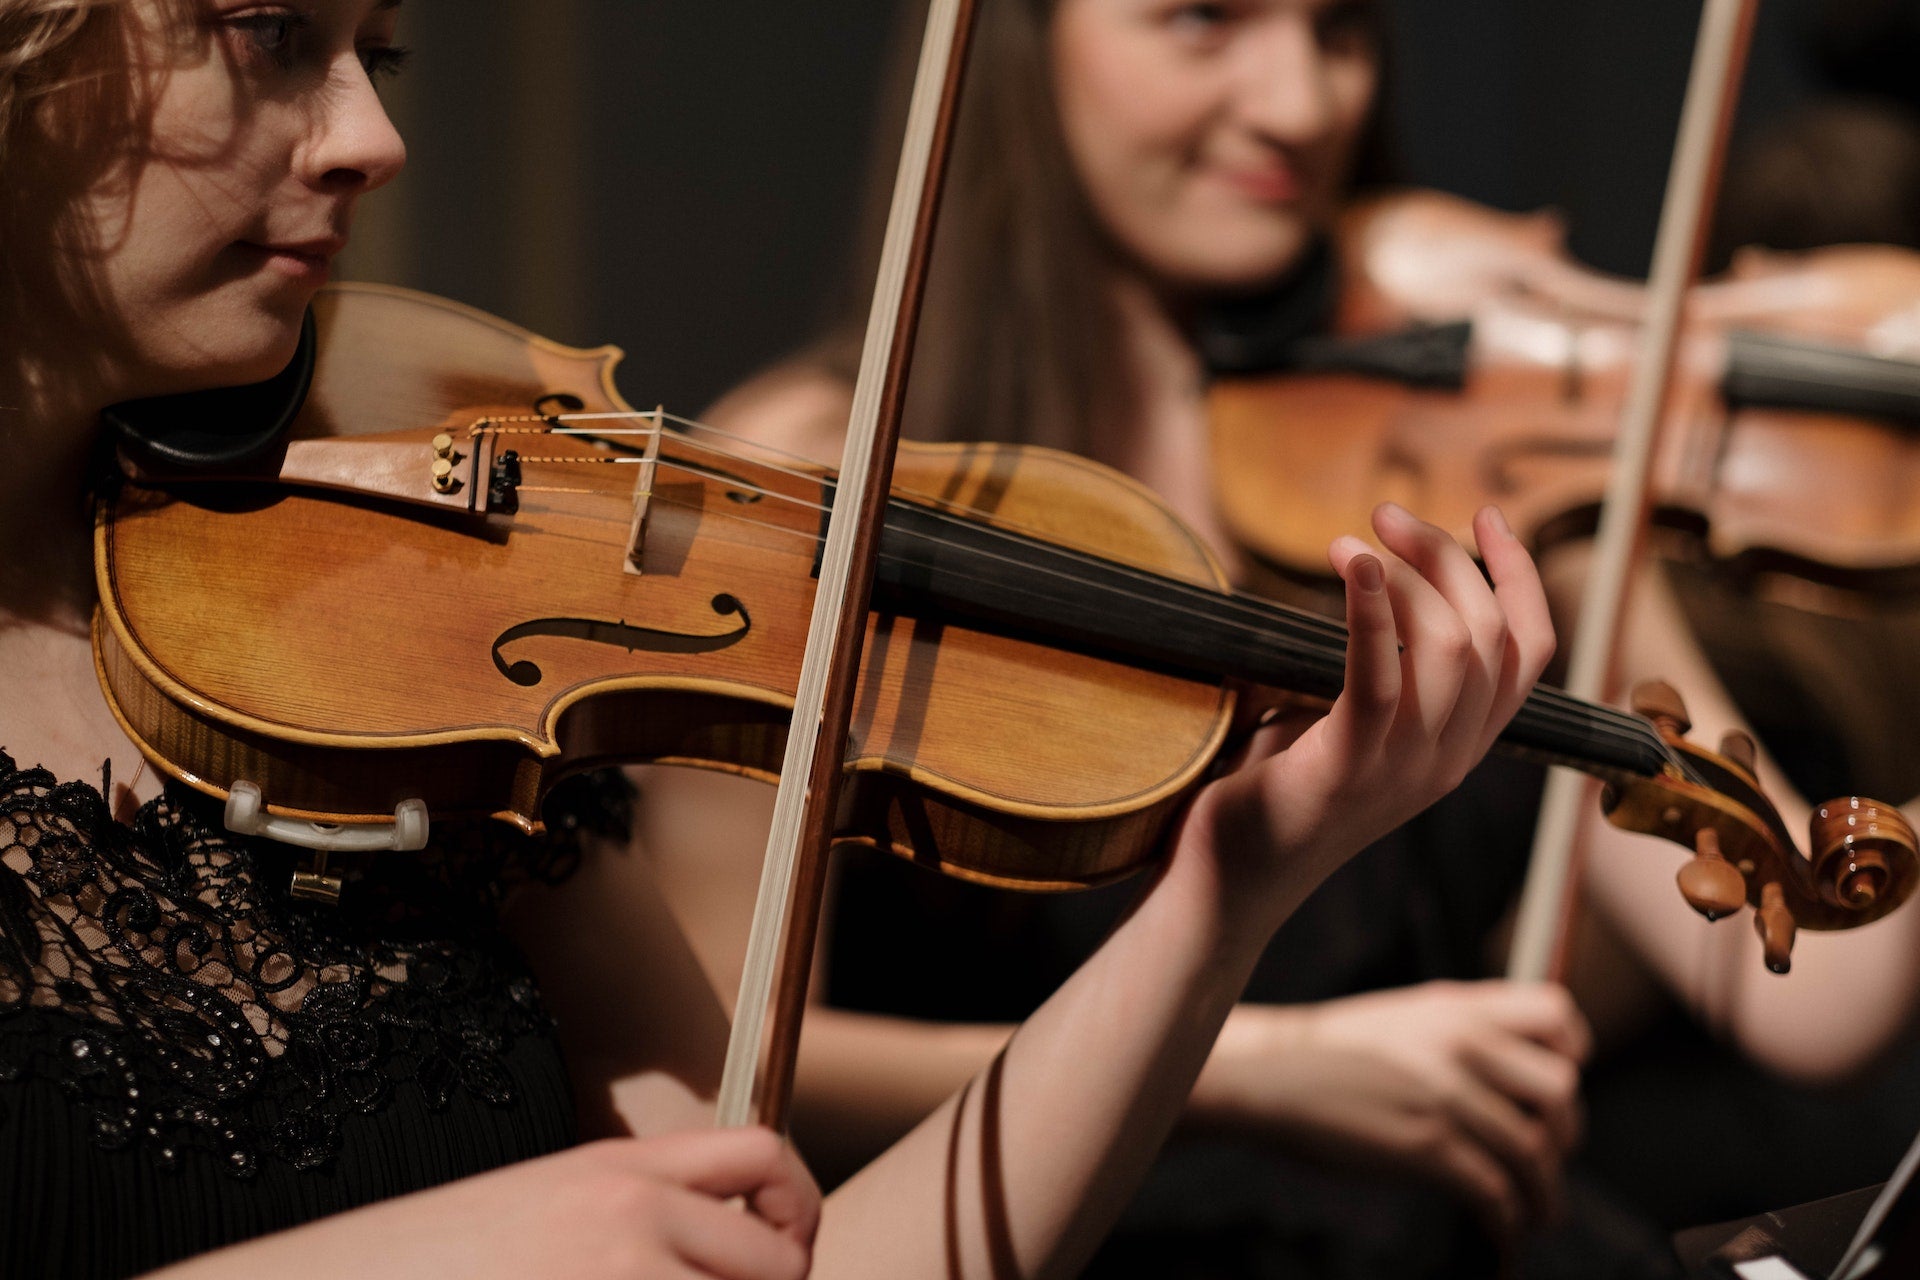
x=1470, y=361
x=473, y=569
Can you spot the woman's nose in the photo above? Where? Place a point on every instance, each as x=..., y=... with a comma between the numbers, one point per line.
x=354, y=143
x=1281, y=87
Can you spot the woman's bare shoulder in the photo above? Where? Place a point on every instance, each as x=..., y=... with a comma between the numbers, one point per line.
x=797, y=406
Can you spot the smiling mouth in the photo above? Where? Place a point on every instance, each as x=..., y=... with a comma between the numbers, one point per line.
x=1265, y=185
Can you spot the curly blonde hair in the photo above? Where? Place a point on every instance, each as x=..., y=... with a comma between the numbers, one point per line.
x=38, y=39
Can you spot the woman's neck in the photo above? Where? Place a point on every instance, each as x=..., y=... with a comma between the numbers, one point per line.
x=1159, y=369
x=1159, y=433
x=48, y=413
x=55, y=714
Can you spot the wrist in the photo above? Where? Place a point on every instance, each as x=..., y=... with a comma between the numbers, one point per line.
x=1256, y=879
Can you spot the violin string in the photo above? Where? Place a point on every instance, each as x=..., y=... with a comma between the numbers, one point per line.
x=1563, y=711
x=940, y=508
x=1570, y=715
x=804, y=470
x=808, y=472
x=1555, y=707
x=1255, y=612
x=1570, y=709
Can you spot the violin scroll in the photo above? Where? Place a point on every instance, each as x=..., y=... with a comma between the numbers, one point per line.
x=1857, y=844
x=1865, y=857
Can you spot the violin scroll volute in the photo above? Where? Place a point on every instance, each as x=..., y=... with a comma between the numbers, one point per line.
x=1865, y=857
x=1862, y=850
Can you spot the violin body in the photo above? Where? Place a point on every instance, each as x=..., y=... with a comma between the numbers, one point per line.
x=1531, y=425
x=471, y=569
x=346, y=653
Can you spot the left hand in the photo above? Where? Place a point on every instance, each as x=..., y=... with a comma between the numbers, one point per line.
x=1438, y=660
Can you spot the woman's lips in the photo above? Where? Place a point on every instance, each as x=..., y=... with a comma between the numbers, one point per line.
x=307, y=261
x=1267, y=185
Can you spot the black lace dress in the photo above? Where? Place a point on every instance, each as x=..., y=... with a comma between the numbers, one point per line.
x=189, y=1057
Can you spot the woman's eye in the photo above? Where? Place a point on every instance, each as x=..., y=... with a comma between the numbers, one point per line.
x=1349, y=27
x=384, y=61
x=1201, y=13
x=270, y=32
x=1201, y=20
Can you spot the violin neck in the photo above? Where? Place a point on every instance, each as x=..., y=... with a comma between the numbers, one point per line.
x=1767, y=371
x=934, y=564
x=1764, y=371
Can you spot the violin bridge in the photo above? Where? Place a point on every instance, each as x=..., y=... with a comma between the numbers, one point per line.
x=643, y=494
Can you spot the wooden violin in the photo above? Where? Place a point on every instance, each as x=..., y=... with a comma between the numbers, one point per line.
x=1470, y=360
x=472, y=569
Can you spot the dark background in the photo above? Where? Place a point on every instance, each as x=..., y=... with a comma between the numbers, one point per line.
x=683, y=178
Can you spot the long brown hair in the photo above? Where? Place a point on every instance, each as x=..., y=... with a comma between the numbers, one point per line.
x=72, y=87
x=1017, y=338
x=77, y=89
x=37, y=38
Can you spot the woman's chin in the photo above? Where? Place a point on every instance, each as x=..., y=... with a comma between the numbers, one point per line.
x=1244, y=256
x=227, y=356
x=268, y=346
x=263, y=365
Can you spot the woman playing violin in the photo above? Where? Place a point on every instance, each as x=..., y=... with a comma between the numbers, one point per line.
x=197, y=1070
x=1121, y=166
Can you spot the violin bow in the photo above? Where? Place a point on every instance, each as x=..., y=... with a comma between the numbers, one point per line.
x=1719, y=55
x=773, y=986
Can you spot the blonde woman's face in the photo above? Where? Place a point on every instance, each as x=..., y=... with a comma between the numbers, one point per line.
x=209, y=230
x=1213, y=138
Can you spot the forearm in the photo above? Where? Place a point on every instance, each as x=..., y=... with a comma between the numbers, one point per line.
x=865, y=1080
x=1245, y=1081
x=1024, y=1171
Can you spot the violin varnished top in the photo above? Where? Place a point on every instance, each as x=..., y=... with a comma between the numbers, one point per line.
x=289, y=634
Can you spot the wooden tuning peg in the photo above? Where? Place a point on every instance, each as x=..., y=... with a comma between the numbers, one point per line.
x=1711, y=885
x=1660, y=702
x=1776, y=927
x=1738, y=747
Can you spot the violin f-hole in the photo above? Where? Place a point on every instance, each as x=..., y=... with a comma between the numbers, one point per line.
x=620, y=634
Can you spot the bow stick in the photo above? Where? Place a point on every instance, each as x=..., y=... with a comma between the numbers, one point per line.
x=759, y=1063
x=1546, y=901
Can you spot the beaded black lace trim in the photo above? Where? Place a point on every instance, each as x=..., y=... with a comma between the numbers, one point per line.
x=160, y=975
